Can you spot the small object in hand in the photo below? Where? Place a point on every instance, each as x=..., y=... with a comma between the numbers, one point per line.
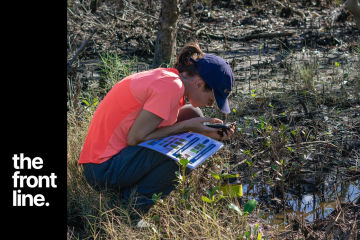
x=223, y=128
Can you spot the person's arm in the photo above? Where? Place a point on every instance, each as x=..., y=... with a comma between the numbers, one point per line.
x=145, y=127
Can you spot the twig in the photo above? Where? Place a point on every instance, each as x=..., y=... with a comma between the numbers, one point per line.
x=197, y=33
x=330, y=227
x=79, y=50
x=309, y=143
x=353, y=229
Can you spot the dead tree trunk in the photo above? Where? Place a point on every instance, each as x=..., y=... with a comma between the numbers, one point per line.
x=353, y=7
x=165, y=45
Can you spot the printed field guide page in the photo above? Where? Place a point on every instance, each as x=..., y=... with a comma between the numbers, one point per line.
x=193, y=146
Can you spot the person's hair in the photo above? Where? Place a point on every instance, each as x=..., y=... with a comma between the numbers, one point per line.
x=184, y=63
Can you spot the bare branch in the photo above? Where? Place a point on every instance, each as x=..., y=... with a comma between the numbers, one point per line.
x=79, y=50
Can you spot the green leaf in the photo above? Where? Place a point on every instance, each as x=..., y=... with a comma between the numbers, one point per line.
x=213, y=191
x=155, y=197
x=273, y=166
x=247, y=152
x=184, y=162
x=235, y=208
x=216, y=176
x=205, y=199
x=226, y=176
x=86, y=102
x=95, y=102
x=293, y=132
x=250, y=206
x=256, y=228
x=156, y=218
x=232, y=190
x=337, y=64
x=260, y=125
x=259, y=236
x=290, y=149
x=248, y=234
x=268, y=129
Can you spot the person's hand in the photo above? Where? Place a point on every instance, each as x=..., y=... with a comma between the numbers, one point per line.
x=220, y=134
x=197, y=125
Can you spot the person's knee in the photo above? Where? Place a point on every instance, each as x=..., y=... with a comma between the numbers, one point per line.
x=188, y=112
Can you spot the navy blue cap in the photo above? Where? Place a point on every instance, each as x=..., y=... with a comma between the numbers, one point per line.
x=217, y=73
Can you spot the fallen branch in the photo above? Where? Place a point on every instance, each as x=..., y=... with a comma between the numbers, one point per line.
x=309, y=143
x=79, y=50
x=200, y=32
x=252, y=36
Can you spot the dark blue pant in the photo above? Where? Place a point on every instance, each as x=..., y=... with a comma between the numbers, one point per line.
x=139, y=170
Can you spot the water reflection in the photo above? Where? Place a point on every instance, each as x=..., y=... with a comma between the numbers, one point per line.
x=307, y=201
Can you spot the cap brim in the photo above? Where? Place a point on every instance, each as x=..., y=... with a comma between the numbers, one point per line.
x=222, y=103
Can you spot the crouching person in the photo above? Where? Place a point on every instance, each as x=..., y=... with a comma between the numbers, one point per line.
x=148, y=105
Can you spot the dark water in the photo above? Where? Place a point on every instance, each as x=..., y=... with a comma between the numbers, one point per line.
x=304, y=200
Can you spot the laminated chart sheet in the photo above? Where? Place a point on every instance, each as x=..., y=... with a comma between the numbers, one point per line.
x=193, y=146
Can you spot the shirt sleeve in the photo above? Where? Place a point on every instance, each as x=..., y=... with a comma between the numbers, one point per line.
x=162, y=97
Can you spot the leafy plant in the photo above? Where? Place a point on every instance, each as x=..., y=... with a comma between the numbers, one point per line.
x=248, y=208
x=183, y=183
x=221, y=191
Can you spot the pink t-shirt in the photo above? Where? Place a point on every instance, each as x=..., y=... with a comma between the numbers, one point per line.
x=159, y=91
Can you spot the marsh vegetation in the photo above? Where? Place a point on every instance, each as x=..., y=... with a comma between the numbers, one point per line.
x=292, y=171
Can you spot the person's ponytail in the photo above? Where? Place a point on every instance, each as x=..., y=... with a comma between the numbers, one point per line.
x=184, y=60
